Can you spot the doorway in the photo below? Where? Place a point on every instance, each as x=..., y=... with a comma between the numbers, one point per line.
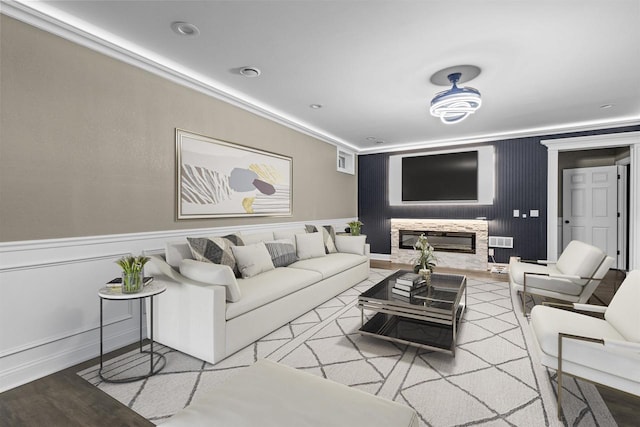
x=594, y=207
x=558, y=146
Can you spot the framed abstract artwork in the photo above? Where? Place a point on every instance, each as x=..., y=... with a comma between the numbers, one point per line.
x=221, y=179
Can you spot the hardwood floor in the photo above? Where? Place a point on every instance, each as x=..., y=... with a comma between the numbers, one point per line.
x=65, y=399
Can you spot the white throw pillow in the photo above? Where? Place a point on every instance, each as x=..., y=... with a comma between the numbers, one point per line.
x=252, y=259
x=309, y=245
x=351, y=244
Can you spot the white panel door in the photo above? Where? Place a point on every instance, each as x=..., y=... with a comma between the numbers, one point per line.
x=590, y=207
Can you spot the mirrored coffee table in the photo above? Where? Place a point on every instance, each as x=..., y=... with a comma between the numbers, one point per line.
x=429, y=320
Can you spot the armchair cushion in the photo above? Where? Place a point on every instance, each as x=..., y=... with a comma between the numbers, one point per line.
x=623, y=312
x=518, y=268
x=547, y=322
x=580, y=259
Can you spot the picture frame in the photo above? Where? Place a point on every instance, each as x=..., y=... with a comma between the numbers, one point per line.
x=218, y=179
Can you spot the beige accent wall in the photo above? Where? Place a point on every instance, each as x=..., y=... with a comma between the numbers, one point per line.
x=87, y=145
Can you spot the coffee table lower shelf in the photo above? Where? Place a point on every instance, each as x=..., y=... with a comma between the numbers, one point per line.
x=432, y=336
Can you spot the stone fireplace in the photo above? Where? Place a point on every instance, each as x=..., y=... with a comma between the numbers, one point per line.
x=457, y=243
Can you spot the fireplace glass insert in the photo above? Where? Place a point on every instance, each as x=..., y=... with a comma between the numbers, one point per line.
x=442, y=241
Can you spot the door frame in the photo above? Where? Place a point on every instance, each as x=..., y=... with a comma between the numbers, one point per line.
x=623, y=139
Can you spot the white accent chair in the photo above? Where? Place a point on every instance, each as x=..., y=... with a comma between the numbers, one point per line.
x=604, y=351
x=573, y=278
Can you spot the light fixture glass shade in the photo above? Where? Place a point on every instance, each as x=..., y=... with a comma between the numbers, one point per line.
x=455, y=104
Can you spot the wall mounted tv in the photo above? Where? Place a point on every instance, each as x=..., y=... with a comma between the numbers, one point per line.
x=440, y=177
x=459, y=177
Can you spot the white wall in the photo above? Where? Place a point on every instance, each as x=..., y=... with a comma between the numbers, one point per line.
x=49, y=307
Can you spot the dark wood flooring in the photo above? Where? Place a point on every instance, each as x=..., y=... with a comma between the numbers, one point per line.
x=65, y=399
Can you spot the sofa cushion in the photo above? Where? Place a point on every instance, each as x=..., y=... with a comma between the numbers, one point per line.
x=331, y=264
x=269, y=286
x=282, y=252
x=328, y=236
x=252, y=259
x=351, y=244
x=309, y=245
x=289, y=234
x=250, y=238
x=176, y=251
x=216, y=250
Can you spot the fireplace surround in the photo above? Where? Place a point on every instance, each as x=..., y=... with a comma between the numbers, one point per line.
x=458, y=243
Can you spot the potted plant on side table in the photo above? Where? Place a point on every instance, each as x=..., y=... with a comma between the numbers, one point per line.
x=425, y=261
x=354, y=227
x=132, y=273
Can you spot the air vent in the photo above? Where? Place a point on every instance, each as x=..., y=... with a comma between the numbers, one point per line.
x=500, y=242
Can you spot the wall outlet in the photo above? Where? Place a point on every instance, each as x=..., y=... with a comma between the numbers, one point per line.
x=491, y=252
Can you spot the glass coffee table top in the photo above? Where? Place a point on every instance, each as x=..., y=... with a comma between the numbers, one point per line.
x=427, y=319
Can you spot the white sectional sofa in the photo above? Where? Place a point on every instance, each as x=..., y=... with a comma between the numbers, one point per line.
x=210, y=314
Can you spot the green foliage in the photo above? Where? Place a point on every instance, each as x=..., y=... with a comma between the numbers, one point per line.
x=132, y=264
x=425, y=258
x=355, y=226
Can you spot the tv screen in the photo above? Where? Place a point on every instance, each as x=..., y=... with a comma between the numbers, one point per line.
x=440, y=177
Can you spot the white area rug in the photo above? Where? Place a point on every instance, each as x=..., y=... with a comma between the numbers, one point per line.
x=493, y=380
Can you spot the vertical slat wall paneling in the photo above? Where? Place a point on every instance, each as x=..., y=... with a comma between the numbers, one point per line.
x=520, y=183
x=373, y=202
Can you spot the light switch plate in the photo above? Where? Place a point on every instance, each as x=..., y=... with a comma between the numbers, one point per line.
x=534, y=213
x=516, y=213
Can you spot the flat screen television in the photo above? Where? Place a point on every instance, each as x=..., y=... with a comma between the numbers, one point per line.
x=440, y=177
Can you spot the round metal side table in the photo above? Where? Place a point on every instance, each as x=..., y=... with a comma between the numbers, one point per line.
x=149, y=291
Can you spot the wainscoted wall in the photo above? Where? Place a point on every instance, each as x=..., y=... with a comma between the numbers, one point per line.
x=521, y=183
x=49, y=309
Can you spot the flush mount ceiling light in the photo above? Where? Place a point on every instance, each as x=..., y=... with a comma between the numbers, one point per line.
x=250, y=71
x=455, y=104
x=184, y=29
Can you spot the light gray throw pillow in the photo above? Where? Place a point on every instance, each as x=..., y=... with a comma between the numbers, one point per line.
x=252, y=259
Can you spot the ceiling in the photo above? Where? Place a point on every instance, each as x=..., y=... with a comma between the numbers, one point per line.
x=547, y=66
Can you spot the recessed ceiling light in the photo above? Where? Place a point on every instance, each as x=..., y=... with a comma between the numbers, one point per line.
x=605, y=106
x=250, y=71
x=315, y=106
x=380, y=141
x=371, y=138
x=184, y=29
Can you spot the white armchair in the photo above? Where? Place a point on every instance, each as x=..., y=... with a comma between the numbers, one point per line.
x=573, y=278
x=605, y=351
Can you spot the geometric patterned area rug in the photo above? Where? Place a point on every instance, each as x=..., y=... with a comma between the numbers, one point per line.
x=493, y=380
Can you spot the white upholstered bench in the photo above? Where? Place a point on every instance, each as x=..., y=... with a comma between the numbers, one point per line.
x=268, y=394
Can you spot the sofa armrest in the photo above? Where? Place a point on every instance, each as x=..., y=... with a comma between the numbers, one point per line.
x=212, y=274
x=351, y=244
x=190, y=315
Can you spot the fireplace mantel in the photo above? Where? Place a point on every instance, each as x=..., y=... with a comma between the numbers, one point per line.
x=469, y=261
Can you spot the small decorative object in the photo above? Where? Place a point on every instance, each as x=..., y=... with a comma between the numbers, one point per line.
x=354, y=227
x=132, y=274
x=425, y=261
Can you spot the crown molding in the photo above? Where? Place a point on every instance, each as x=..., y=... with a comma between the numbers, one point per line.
x=41, y=16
